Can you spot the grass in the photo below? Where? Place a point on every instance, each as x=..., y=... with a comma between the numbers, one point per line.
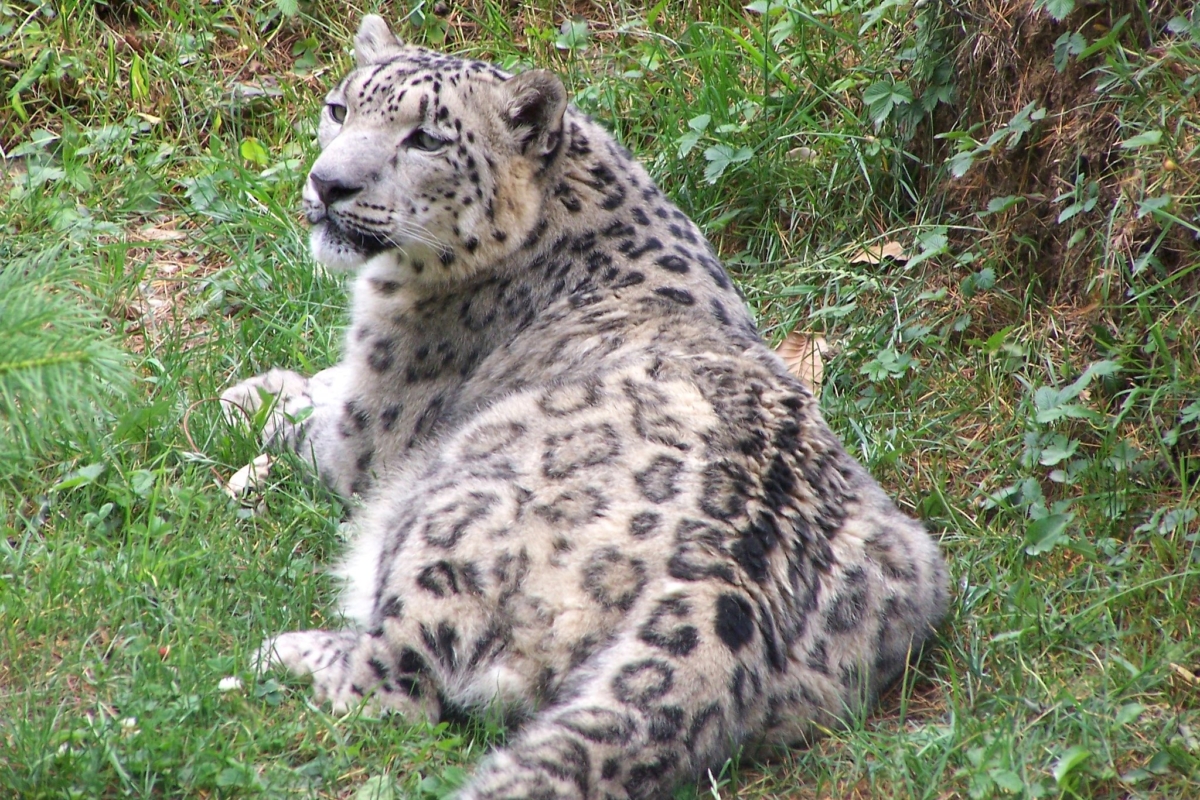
x=1044, y=425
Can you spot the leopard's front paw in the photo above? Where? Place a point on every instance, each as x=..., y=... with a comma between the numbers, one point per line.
x=324, y=656
x=285, y=391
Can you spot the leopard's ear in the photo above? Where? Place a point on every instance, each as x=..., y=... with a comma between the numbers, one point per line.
x=536, y=102
x=374, y=42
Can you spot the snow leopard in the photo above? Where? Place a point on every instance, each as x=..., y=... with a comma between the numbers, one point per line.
x=589, y=495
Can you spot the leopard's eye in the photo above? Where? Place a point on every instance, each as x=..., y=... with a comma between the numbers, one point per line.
x=422, y=139
x=337, y=111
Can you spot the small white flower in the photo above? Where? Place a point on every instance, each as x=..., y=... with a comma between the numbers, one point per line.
x=229, y=684
x=129, y=723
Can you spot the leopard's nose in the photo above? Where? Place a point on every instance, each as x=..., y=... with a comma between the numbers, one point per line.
x=331, y=190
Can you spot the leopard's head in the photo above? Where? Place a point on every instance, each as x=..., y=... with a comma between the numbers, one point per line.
x=435, y=163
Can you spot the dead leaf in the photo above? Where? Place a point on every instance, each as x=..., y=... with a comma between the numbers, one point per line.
x=1186, y=674
x=874, y=253
x=805, y=357
x=151, y=233
x=249, y=478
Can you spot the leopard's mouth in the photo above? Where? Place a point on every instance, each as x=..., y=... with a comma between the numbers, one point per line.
x=366, y=242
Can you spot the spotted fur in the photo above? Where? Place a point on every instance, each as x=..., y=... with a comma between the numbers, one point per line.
x=592, y=497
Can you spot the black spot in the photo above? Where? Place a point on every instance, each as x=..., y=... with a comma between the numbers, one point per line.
x=643, y=524
x=662, y=631
x=647, y=778
x=780, y=484
x=734, y=621
x=752, y=550
x=385, y=288
x=628, y=279
x=387, y=417
x=486, y=441
x=600, y=725
x=571, y=398
x=493, y=640
x=649, y=246
x=446, y=525
x=716, y=272
x=381, y=356
x=750, y=556
x=535, y=235
x=666, y=723
x=719, y=312
x=672, y=263
x=613, y=580
x=724, y=491
x=704, y=734
x=644, y=681
x=619, y=229
x=574, y=507
x=849, y=608
x=562, y=757
x=587, y=446
x=354, y=418
x=681, y=296
x=411, y=663
x=745, y=686
x=392, y=607
x=657, y=481
x=700, y=553
x=892, y=556
x=428, y=419
x=439, y=579
x=441, y=643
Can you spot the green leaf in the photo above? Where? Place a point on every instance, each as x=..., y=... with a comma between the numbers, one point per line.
x=136, y=423
x=288, y=8
x=996, y=340
x=1067, y=45
x=961, y=162
x=720, y=157
x=30, y=76
x=700, y=122
x=1142, y=140
x=573, y=35
x=253, y=151
x=768, y=7
x=1153, y=204
x=998, y=205
x=1060, y=449
x=81, y=476
x=1043, y=535
x=1007, y=780
x=231, y=776
x=1070, y=761
x=883, y=96
x=377, y=787
x=1129, y=713
x=687, y=142
x=1059, y=9
x=139, y=78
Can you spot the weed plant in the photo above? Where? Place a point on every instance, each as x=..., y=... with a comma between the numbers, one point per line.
x=1047, y=431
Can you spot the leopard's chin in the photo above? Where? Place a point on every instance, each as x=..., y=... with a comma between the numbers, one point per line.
x=342, y=250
